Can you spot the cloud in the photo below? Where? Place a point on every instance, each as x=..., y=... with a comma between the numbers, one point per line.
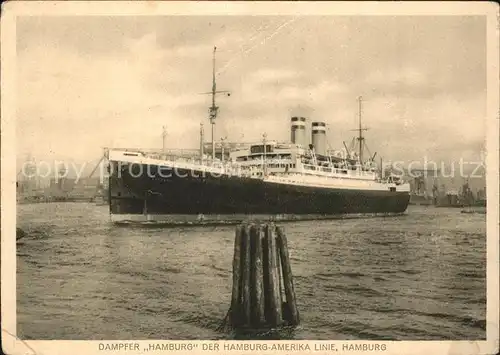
x=267, y=75
x=66, y=97
x=402, y=81
x=419, y=78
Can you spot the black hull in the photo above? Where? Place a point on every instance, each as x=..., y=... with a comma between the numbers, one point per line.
x=190, y=193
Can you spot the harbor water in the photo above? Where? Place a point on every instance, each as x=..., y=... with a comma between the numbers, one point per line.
x=420, y=276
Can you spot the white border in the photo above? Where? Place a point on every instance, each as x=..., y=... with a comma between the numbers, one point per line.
x=8, y=205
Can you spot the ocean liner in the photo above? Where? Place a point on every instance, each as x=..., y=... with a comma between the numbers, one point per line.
x=267, y=180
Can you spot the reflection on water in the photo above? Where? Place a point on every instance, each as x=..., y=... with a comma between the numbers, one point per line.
x=418, y=276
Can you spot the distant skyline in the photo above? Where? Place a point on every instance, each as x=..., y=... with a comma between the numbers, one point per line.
x=89, y=82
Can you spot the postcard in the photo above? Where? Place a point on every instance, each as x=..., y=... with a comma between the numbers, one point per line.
x=249, y=177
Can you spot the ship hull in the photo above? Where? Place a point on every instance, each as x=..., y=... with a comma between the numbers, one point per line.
x=191, y=195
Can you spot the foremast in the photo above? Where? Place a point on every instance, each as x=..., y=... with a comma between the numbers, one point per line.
x=360, y=138
x=214, y=109
x=361, y=142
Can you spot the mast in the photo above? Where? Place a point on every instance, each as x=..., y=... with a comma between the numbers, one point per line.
x=202, y=139
x=360, y=132
x=222, y=148
x=163, y=136
x=214, y=109
x=360, y=137
x=381, y=169
x=264, y=167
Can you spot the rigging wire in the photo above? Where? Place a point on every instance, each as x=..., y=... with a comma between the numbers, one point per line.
x=327, y=140
x=277, y=30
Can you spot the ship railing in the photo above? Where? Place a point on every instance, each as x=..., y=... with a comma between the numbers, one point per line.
x=317, y=170
x=299, y=179
x=161, y=153
x=227, y=167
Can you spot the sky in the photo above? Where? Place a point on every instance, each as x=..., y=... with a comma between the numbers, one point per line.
x=90, y=82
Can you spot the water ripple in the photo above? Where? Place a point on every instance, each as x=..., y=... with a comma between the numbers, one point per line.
x=414, y=277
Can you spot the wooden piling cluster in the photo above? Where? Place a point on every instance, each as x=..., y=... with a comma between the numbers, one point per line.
x=263, y=295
